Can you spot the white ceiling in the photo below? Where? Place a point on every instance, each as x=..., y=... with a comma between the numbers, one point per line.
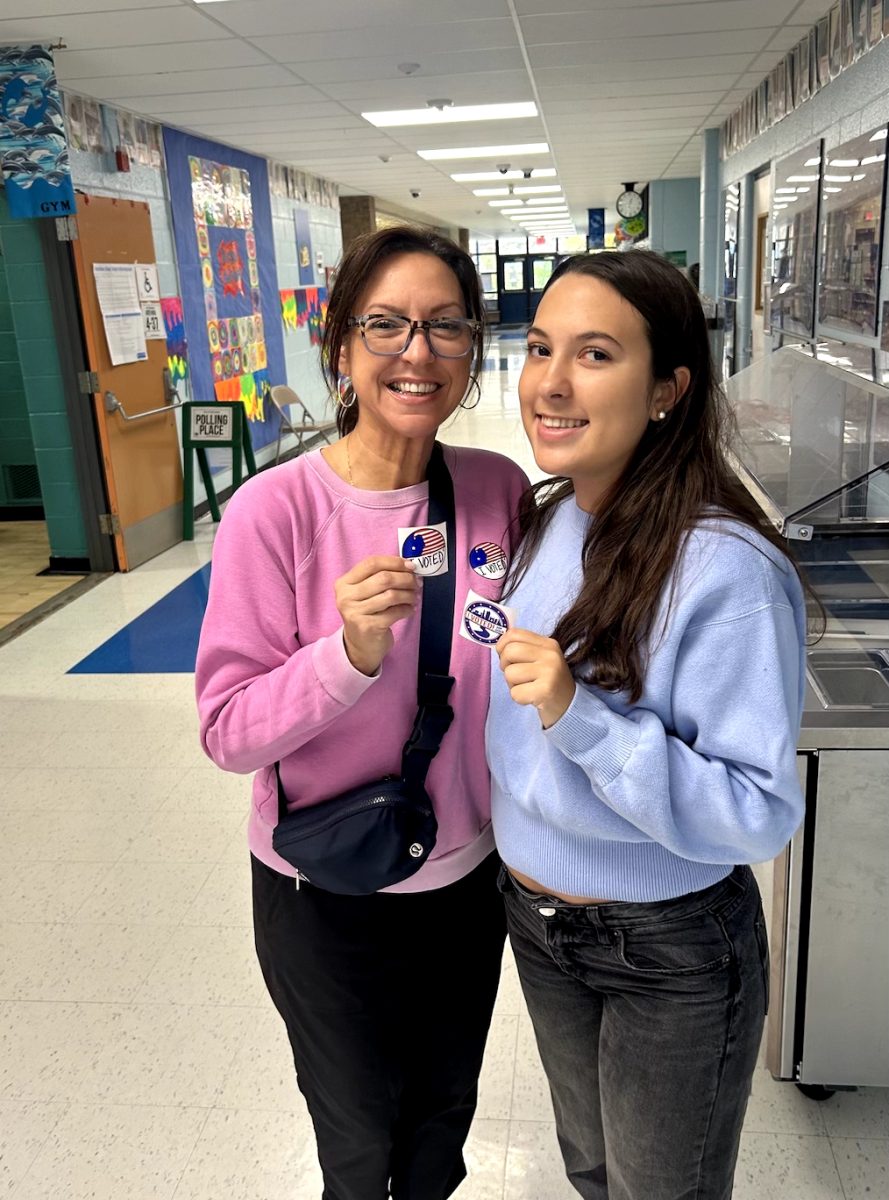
x=623, y=89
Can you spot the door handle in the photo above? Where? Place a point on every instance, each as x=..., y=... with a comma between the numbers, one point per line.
x=112, y=404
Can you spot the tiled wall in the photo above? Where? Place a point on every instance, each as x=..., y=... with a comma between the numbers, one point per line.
x=41, y=376
x=16, y=443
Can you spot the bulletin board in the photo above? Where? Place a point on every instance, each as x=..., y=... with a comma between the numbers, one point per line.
x=222, y=224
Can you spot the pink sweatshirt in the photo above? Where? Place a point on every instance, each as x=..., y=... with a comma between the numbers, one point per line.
x=273, y=680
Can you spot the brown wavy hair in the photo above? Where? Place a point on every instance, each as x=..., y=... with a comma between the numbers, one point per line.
x=355, y=271
x=677, y=477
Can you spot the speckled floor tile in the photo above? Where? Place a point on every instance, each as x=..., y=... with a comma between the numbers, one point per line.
x=212, y=965
x=498, y=1069
x=534, y=1168
x=24, y=1127
x=861, y=1114
x=863, y=1165
x=108, y=1152
x=253, y=1156
x=786, y=1166
x=77, y=962
x=144, y=893
x=781, y=1108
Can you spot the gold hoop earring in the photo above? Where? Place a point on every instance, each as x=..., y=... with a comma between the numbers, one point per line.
x=345, y=391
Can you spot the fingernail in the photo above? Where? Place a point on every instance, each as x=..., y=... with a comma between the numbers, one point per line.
x=410, y=564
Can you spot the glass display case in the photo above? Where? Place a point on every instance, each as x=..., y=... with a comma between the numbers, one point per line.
x=795, y=240
x=813, y=445
x=853, y=186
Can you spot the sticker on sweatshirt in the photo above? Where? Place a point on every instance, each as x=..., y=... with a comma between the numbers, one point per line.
x=483, y=621
x=427, y=546
x=488, y=560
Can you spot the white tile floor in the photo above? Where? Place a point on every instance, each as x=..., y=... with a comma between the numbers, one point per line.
x=139, y=1056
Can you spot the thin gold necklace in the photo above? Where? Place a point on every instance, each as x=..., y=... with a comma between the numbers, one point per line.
x=348, y=461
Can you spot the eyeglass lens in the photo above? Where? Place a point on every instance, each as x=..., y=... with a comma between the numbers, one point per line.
x=390, y=335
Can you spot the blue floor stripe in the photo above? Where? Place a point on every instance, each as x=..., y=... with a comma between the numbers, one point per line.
x=163, y=640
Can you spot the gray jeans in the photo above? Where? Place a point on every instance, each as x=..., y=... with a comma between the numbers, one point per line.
x=648, y=1019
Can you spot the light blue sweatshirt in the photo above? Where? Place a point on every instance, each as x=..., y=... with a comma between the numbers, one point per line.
x=652, y=800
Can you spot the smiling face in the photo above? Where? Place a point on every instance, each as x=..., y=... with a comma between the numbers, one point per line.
x=587, y=392
x=407, y=395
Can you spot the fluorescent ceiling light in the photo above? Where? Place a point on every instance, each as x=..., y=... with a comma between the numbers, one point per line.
x=858, y=178
x=485, y=176
x=805, y=189
x=812, y=162
x=562, y=211
x=545, y=200
x=784, y=191
x=879, y=136
x=490, y=191
x=484, y=151
x=838, y=178
x=445, y=116
x=506, y=204
x=842, y=162
x=873, y=158
x=543, y=187
x=802, y=178
x=833, y=189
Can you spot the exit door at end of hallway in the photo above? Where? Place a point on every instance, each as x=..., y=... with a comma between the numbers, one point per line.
x=521, y=279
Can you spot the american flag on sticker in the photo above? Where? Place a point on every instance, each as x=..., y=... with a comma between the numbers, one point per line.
x=426, y=547
x=427, y=540
x=488, y=560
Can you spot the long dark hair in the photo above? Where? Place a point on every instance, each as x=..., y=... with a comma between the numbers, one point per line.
x=355, y=271
x=677, y=477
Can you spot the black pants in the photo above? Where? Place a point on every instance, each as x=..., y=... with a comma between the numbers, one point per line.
x=387, y=1001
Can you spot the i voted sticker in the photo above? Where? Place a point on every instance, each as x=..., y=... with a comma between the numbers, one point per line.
x=488, y=560
x=427, y=546
x=483, y=621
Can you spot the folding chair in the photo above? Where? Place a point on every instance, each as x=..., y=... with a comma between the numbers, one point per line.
x=282, y=396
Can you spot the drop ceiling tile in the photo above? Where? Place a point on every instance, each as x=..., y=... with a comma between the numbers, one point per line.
x=255, y=18
x=303, y=102
x=64, y=8
x=675, y=19
x=646, y=49
x=629, y=72
x=89, y=65
x=185, y=80
x=90, y=31
x=412, y=91
x=456, y=63
x=410, y=43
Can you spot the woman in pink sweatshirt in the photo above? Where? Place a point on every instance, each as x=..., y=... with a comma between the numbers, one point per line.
x=308, y=658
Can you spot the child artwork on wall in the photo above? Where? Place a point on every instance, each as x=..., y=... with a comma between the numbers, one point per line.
x=288, y=309
x=177, y=347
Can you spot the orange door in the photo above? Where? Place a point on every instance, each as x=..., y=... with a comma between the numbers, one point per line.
x=143, y=471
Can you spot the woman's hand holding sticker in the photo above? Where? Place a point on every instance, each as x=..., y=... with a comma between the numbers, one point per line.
x=376, y=593
x=536, y=672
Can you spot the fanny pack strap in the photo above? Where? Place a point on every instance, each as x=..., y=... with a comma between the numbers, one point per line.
x=434, y=713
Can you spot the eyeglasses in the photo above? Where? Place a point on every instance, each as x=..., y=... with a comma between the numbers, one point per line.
x=447, y=337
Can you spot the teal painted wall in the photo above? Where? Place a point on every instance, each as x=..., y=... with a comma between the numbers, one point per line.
x=674, y=216
x=16, y=443
x=50, y=436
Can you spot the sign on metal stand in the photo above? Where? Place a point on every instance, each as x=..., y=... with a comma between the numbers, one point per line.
x=216, y=424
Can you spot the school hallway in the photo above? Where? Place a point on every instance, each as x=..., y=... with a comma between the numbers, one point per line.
x=140, y=1056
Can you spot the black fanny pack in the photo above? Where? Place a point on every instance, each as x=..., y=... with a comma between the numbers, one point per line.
x=382, y=832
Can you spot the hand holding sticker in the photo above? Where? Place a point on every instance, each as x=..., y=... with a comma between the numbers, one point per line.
x=535, y=670
x=427, y=547
x=484, y=622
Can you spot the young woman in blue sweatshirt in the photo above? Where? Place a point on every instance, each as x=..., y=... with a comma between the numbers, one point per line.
x=642, y=736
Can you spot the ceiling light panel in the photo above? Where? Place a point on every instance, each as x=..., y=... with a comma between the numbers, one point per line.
x=490, y=176
x=452, y=114
x=543, y=187
x=504, y=191
x=484, y=151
